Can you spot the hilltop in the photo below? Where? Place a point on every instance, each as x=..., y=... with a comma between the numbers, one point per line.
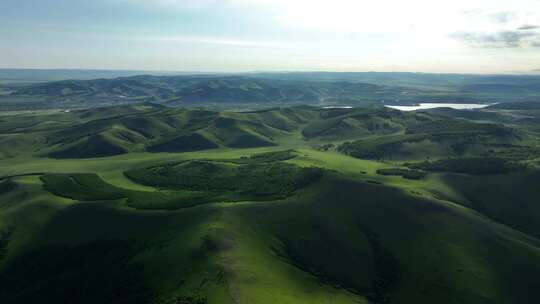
x=155, y=128
x=146, y=203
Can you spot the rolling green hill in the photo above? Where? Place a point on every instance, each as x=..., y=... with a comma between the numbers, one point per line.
x=90, y=133
x=151, y=204
x=437, y=136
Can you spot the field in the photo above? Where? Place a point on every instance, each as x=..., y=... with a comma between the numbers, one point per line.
x=150, y=204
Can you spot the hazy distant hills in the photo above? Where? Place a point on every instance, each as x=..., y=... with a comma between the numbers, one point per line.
x=210, y=89
x=18, y=76
x=268, y=89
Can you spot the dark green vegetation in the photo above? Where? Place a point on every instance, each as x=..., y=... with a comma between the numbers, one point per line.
x=473, y=165
x=186, y=143
x=269, y=157
x=405, y=173
x=84, y=187
x=74, y=272
x=7, y=186
x=192, y=182
x=229, y=181
x=91, y=146
x=150, y=204
x=188, y=183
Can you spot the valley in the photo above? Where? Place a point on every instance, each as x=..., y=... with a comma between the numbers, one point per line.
x=269, y=152
x=280, y=205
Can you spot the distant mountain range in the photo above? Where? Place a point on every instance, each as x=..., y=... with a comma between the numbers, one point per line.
x=269, y=89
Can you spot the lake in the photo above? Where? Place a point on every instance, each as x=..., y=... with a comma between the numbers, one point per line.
x=423, y=106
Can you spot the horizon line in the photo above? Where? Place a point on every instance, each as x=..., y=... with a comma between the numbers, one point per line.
x=516, y=73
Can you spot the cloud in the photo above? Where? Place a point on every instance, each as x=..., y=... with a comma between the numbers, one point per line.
x=527, y=27
x=376, y=17
x=502, y=17
x=504, y=39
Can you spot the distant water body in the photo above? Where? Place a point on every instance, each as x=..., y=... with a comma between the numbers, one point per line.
x=458, y=106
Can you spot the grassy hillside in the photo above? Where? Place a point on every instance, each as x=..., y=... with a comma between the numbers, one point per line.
x=284, y=205
x=510, y=198
x=100, y=132
x=436, y=137
x=345, y=242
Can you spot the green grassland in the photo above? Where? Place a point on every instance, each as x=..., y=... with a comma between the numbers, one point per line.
x=197, y=206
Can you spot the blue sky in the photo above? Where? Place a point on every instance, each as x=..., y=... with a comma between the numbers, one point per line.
x=474, y=36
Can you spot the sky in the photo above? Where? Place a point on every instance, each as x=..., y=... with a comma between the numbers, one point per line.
x=459, y=36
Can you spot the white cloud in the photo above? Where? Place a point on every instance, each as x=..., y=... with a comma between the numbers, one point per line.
x=397, y=16
x=377, y=16
x=506, y=39
x=457, y=35
x=502, y=17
